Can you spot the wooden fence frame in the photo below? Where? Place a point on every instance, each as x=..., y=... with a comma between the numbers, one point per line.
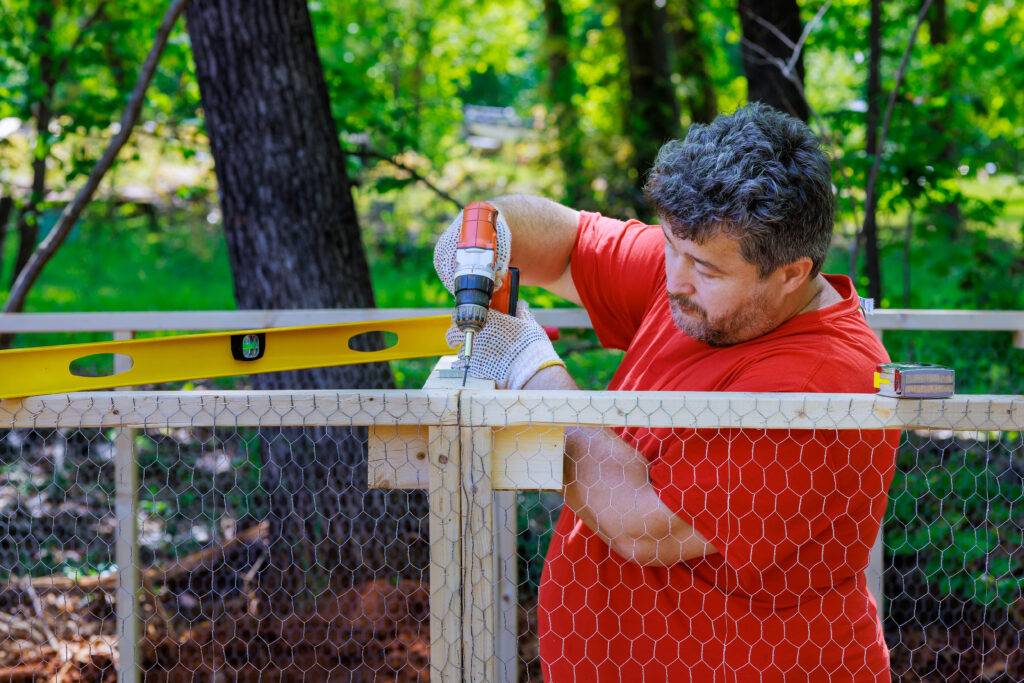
x=499, y=515
x=473, y=629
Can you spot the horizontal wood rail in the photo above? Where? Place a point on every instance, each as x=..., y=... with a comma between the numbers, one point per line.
x=146, y=321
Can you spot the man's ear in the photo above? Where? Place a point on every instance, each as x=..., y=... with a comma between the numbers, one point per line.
x=793, y=275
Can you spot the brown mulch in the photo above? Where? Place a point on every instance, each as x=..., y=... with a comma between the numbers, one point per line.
x=377, y=632
x=58, y=630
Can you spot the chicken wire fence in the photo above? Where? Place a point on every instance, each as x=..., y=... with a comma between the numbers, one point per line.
x=407, y=535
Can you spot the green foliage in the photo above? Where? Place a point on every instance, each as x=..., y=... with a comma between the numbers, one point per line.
x=399, y=73
x=82, y=70
x=958, y=513
x=400, y=70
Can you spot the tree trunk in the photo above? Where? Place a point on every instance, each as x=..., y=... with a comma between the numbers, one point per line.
x=684, y=19
x=950, y=215
x=28, y=217
x=908, y=243
x=874, y=103
x=938, y=27
x=767, y=56
x=293, y=240
x=6, y=206
x=561, y=86
x=652, y=113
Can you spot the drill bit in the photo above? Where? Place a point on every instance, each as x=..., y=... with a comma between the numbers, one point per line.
x=467, y=349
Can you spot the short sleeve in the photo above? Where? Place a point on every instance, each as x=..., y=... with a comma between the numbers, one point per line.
x=617, y=267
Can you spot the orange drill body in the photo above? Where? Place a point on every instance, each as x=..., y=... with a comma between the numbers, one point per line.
x=476, y=273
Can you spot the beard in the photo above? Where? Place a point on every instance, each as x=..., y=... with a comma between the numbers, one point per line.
x=747, y=321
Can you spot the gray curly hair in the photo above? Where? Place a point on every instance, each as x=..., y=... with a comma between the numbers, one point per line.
x=759, y=176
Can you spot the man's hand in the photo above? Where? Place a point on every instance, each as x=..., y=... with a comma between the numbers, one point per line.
x=510, y=350
x=448, y=242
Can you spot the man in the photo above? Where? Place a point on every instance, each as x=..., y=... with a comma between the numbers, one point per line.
x=706, y=555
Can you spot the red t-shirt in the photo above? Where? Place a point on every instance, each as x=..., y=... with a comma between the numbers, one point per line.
x=793, y=513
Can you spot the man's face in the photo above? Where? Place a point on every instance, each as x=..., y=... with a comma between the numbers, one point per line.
x=715, y=295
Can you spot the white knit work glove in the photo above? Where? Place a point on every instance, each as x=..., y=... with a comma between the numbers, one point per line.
x=444, y=252
x=510, y=350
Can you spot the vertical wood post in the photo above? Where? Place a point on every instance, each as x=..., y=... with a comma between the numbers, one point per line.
x=444, y=456
x=875, y=574
x=480, y=595
x=463, y=565
x=507, y=608
x=126, y=541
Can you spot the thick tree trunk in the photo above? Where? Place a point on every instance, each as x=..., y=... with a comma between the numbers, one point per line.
x=294, y=242
x=561, y=87
x=690, y=64
x=652, y=113
x=874, y=103
x=767, y=56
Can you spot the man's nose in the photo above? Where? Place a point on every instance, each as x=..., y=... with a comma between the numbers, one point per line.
x=679, y=281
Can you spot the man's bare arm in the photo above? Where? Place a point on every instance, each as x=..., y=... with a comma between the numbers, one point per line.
x=608, y=487
x=543, y=235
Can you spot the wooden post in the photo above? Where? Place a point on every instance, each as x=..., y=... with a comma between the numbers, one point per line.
x=444, y=457
x=126, y=541
x=874, y=574
x=480, y=587
x=465, y=588
x=507, y=609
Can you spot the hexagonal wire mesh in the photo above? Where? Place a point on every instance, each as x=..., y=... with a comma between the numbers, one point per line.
x=261, y=551
x=952, y=600
x=793, y=513
x=263, y=554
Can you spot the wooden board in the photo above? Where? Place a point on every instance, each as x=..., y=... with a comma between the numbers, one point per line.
x=156, y=409
x=715, y=410
x=522, y=458
x=446, y=563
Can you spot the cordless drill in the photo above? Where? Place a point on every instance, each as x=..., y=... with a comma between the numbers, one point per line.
x=476, y=273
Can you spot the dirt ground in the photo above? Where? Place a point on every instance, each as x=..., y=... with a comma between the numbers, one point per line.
x=376, y=632
x=62, y=631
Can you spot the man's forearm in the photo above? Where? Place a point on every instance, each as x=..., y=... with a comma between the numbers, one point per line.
x=607, y=486
x=543, y=235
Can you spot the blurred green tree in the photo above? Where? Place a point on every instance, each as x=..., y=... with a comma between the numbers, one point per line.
x=65, y=72
x=561, y=89
x=690, y=48
x=652, y=111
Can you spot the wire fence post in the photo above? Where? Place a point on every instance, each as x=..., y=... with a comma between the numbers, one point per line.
x=507, y=608
x=480, y=594
x=126, y=540
x=466, y=532
x=444, y=455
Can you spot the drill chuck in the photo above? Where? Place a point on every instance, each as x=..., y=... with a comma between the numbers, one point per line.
x=472, y=299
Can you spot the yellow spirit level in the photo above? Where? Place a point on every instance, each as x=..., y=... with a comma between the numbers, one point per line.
x=50, y=369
